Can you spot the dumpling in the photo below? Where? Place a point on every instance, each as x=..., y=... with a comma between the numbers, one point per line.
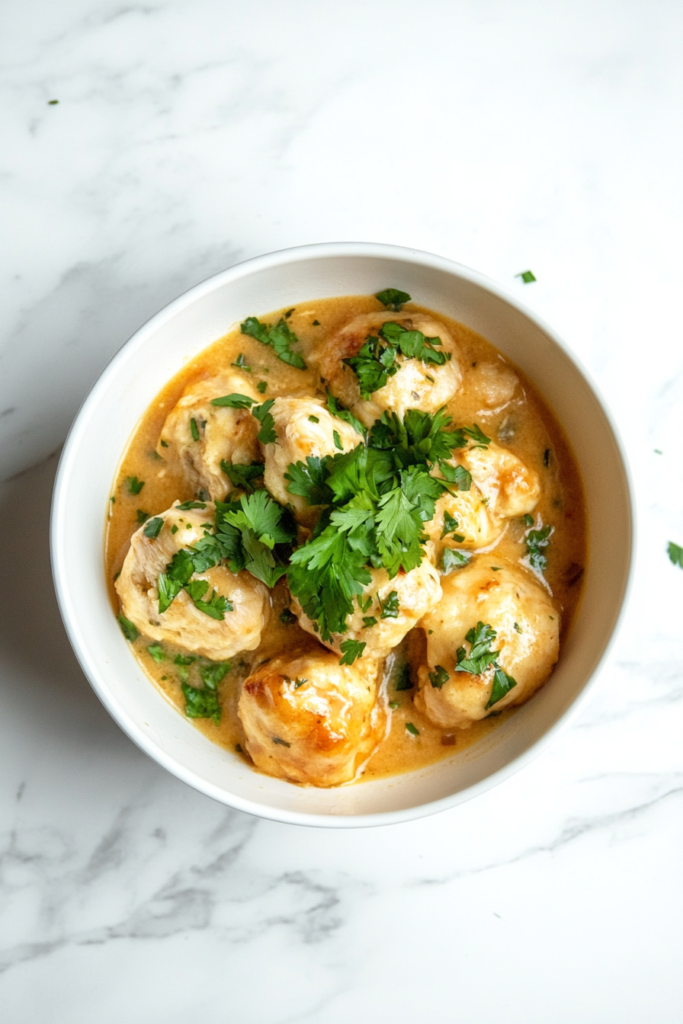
x=416, y=385
x=308, y=719
x=304, y=428
x=502, y=487
x=527, y=629
x=198, y=435
x=395, y=604
x=183, y=623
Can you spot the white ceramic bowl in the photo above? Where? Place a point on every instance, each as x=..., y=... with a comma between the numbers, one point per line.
x=156, y=352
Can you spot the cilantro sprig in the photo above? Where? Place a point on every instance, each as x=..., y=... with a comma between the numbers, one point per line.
x=376, y=360
x=280, y=337
x=536, y=543
x=480, y=657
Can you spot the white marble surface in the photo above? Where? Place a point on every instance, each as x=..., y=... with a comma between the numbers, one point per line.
x=189, y=136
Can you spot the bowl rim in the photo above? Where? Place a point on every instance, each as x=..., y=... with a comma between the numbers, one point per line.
x=59, y=562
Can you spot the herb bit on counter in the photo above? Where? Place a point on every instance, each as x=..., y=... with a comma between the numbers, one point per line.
x=52, y=103
x=279, y=337
x=675, y=554
x=393, y=298
x=134, y=485
x=527, y=276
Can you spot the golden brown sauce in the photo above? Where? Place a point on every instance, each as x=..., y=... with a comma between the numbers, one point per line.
x=538, y=441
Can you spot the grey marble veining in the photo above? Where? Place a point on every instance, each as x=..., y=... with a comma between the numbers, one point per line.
x=188, y=137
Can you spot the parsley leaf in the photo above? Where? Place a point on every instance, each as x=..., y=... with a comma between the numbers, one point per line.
x=337, y=441
x=527, y=276
x=480, y=656
x=187, y=505
x=129, y=629
x=233, y=401
x=351, y=649
x=309, y=481
x=458, y=475
x=134, y=485
x=201, y=703
x=267, y=434
x=156, y=651
x=439, y=677
x=411, y=729
x=261, y=386
x=241, y=363
x=141, y=516
x=675, y=554
x=241, y=475
x=212, y=674
x=369, y=621
x=393, y=298
x=216, y=606
x=453, y=559
x=194, y=429
x=502, y=684
x=279, y=337
x=338, y=410
x=450, y=525
x=389, y=606
x=375, y=362
x=536, y=542
x=153, y=527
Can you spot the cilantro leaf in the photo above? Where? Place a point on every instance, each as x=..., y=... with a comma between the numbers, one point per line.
x=675, y=554
x=156, y=651
x=393, y=298
x=241, y=475
x=128, y=628
x=309, y=481
x=502, y=684
x=536, y=542
x=480, y=656
x=279, y=337
x=187, y=505
x=212, y=674
x=241, y=363
x=194, y=429
x=216, y=606
x=439, y=677
x=389, y=606
x=141, y=516
x=267, y=434
x=453, y=559
x=134, y=485
x=412, y=730
x=153, y=527
x=233, y=401
x=527, y=276
x=458, y=475
x=351, y=649
x=404, y=682
x=201, y=703
x=338, y=410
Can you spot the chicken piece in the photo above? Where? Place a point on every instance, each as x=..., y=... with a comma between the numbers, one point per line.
x=308, y=719
x=183, y=623
x=223, y=433
x=304, y=428
x=527, y=626
x=489, y=386
x=402, y=601
x=502, y=487
x=416, y=385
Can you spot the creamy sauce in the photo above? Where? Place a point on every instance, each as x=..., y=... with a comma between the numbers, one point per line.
x=525, y=426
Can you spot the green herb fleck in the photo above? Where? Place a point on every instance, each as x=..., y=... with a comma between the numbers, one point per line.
x=52, y=103
x=156, y=651
x=675, y=554
x=243, y=476
x=299, y=682
x=527, y=276
x=211, y=675
x=316, y=323
x=453, y=559
x=411, y=729
x=502, y=684
x=518, y=628
x=536, y=542
x=141, y=516
x=389, y=606
x=261, y=386
x=528, y=520
x=234, y=401
x=194, y=429
x=450, y=525
x=279, y=337
x=201, y=703
x=393, y=704
x=241, y=363
x=351, y=649
x=267, y=434
x=546, y=457
x=404, y=682
x=369, y=621
x=174, y=528
x=128, y=629
x=287, y=616
x=314, y=419
x=164, y=444
x=439, y=677
x=282, y=743
x=337, y=441
x=134, y=485
x=393, y=298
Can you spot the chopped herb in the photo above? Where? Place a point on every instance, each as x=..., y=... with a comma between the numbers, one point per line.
x=155, y=455
x=480, y=655
x=216, y=606
x=164, y=678
x=241, y=363
x=156, y=651
x=201, y=703
x=134, y=485
x=164, y=444
x=502, y=684
x=267, y=434
x=338, y=410
x=174, y=528
x=393, y=298
x=289, y=312
x=369, y=621
x=212, y=674
x=248, y=532
x=411, y=729
x=518, y=628
x=658, y=451
x=203, y=495
x=282, y=743
x=261, y=386
x=453, y=559
x=528, y=520
x=404, y=682
x=309, y=481
x=389, y=606
x=536, y=542
x=234, y=401
x=238, y=748
x=112, y=500
x=450, y=525
x=351, y=649
x=184, y=659
x=376, y=360
x=129, y=630
x=675, y=554
x=314, y=419
x=243, y=476
x=141, y=516
x=194, y=429
x=52, y=103
x=185, y=506
x=299, y=682
x=439, y=677
x=316, y=323
x=430, y=379
x=279, y=337
x=458, y=475
x=364, y=605
x=287, y=616
x=546, y=457
x=337, y=441
x=393, y=704
x=496, y=568
x=527, y=276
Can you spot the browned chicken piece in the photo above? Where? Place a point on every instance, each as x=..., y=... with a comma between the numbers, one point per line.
x=310, y=720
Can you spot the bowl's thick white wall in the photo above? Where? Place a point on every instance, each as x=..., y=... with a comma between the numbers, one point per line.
x=156, y=352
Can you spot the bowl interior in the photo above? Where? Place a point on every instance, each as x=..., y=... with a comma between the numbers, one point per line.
x=179, y=332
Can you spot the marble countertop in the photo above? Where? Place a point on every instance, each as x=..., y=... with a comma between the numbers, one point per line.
x=189, y=136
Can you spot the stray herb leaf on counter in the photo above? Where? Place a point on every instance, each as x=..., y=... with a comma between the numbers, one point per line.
x=134, y=485
x=351, y=649
x=439, y=677
x=234, y=401
x=279, y=337
x=675, y=554
x=129, y=629
x=527, y=276
x=52, y=103
x=393, y=298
